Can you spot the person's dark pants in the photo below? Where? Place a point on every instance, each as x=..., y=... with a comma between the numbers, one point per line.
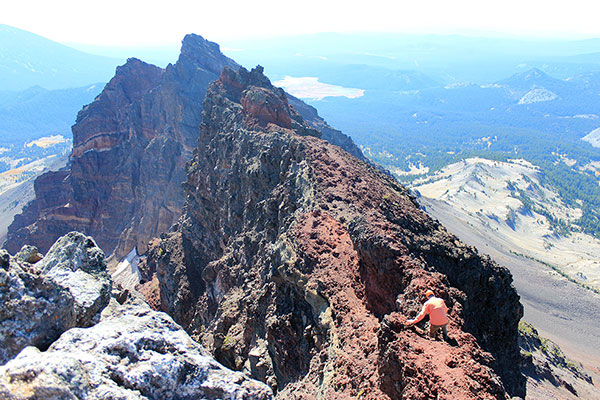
x=434, y=329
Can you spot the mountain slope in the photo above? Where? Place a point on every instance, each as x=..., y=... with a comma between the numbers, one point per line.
x=129, y=150
x=290, y=254
x=28, y=60
x=508, y=200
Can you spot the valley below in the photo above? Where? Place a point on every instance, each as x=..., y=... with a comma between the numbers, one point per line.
x=560, y=309
x=20, y=164
x=509, y=202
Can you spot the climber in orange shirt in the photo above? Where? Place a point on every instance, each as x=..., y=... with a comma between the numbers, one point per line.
x=437, y=310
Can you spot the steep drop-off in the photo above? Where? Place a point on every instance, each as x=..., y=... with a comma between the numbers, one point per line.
x=298, y=262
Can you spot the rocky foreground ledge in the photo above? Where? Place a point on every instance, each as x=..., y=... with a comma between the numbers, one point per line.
x=66, y=333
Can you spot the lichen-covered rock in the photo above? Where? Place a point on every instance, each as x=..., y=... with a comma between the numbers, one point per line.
x=28, y=254
x=76, y=263
x=132, y=353
x=34, y=310
x=68, y=288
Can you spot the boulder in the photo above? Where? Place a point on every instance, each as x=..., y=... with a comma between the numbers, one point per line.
x=75, y=262
x=68, y=288
x=35, y=310
x=28, y=254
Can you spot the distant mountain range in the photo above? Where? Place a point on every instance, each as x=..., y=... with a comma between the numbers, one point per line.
x=37, y=112
x=27, y=60
x=448, y=58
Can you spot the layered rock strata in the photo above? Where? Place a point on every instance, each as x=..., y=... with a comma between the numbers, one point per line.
x=123, y=182
x=292, y=259
x=127, y=351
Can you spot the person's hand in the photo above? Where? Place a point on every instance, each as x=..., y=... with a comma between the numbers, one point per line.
x=410, y=321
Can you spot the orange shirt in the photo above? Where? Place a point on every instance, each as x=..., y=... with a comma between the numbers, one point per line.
x=436, y=308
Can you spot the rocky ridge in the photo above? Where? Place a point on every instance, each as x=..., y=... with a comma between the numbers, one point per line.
x=291, y=253
x=550, y=373
x=127, y=351
x=332, y=135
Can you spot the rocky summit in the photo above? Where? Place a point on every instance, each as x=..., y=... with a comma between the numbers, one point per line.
x=298, y=263
x=123, y=181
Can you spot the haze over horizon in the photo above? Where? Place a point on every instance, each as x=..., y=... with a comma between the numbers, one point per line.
x=73, y=22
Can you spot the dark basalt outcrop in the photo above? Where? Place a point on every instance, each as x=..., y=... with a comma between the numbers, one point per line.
x=332, y=135
x=298, y=262
x=123, y=182
x=544, y=361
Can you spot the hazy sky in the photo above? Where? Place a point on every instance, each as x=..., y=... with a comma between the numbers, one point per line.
x=150, y=22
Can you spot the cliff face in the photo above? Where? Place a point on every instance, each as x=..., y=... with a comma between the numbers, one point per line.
x=299, y=263
x=332, y=135
x=123, y=182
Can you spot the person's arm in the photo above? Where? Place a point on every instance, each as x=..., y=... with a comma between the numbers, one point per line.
x=420, y=316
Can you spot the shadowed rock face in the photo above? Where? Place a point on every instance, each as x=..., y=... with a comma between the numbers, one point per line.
x=290, y=255
x=545, y=364
x=123, y=182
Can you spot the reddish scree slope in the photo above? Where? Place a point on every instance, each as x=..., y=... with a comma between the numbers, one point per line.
x=290, y=254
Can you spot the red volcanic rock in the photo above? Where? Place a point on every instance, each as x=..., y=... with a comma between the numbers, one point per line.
x=266, y=107
x=333, y=136
x=429, y=369
x=298, y=263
